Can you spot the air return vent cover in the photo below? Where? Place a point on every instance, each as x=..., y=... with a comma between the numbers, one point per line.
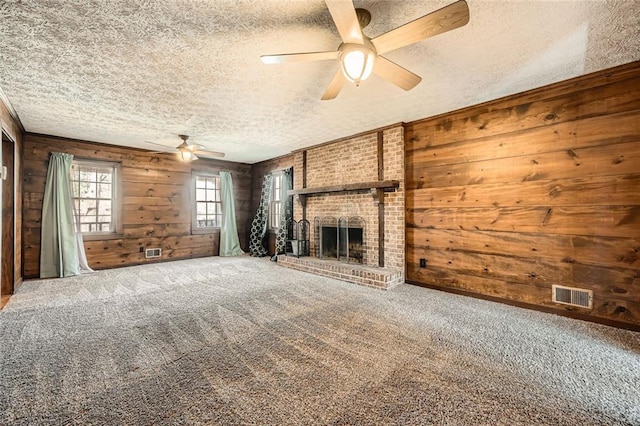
x=152, y=252
x=572, y=296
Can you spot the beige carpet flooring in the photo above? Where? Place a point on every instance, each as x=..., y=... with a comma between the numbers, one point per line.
x=242, y=341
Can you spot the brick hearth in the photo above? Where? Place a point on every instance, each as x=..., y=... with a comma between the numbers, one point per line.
x=380, y=278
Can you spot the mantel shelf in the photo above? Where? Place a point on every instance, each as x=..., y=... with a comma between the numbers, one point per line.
x=384, y=185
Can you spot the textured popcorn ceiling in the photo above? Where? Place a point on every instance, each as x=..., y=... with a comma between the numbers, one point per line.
x=128, y=71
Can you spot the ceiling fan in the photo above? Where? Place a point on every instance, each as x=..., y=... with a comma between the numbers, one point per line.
x=187, y=151
x=360, y=55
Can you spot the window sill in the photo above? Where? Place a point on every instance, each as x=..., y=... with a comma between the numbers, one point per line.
x=101, y=237
x=200, y=231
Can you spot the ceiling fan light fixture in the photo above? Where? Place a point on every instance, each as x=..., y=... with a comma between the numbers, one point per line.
x=357, y=62
x=187, y=155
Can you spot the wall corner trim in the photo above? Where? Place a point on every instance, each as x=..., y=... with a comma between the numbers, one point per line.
x=12, y=112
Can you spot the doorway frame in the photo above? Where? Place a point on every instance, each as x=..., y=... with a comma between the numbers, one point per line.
x=6, y=136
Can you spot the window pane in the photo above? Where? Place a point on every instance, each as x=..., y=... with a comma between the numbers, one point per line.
x=207, y=202
x=104, y=190
x=87, y=206
x=87, y=190
x=87, y=175
x=93, y=195
x=87, y=219
x=104, y=207
x=104, y=176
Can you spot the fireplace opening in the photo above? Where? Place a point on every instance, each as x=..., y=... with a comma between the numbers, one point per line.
x=341, y=239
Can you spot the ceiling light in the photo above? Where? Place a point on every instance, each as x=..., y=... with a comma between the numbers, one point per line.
x=357, y=61
x=186, y=155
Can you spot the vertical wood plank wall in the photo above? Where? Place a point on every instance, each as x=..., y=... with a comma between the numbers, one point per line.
x=506, y=198
x=156, y=210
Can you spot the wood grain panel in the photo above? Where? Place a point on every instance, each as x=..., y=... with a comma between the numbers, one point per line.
x=107, y=253
x=506, y=198
x=534, y=271
x=529, y=293
x=607, y=160
x=602, y=130
x=156, y=203
x=618, y=311
x=153, y=176
x=591, y=102
x=607, y=221
x=591, y=191
x=137, y=231
x=598, y=251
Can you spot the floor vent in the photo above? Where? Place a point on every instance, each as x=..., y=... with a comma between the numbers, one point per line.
x=152, y=252
x=572, y=296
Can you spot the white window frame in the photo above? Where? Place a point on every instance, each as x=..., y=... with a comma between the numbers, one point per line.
x=115, y=227
x=276, y=204
x=216, y=202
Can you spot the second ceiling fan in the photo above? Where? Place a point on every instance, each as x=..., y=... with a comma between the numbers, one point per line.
x=360, y=55
x=187, y=151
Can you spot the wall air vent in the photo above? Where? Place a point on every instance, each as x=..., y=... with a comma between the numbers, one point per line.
x=152, y=252
x=572, y=296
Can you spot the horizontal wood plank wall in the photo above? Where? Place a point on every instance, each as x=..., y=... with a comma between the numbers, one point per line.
x=156, y=210
x=507, y=198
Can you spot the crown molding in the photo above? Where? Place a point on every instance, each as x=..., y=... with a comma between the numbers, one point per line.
x=12, y=112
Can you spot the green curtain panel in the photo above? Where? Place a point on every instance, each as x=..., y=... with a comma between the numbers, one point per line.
x=229, y=242
x=58, y=245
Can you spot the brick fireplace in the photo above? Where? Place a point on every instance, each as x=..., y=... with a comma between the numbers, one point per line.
x=361, y=176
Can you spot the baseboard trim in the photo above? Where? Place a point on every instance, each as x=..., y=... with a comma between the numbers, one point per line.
x=560, y=312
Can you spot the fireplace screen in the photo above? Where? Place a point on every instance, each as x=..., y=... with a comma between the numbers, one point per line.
x=340, y=239
x=350, y=239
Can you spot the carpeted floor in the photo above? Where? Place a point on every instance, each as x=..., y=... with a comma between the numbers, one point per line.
x=238, y=341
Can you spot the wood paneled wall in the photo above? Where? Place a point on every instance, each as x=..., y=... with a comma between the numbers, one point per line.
x=156, y=211
x=506, y=198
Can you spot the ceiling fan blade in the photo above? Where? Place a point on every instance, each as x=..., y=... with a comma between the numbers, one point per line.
x=334, y=87
x=397, y=75
x=346, y=20
x=442, y=20
x=208, y=154
x=299, y=57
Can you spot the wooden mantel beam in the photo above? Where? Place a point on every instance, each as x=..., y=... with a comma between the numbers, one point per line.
x=385, y=185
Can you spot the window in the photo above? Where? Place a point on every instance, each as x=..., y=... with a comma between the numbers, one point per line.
x=275, y=205
x=208, y=211
x=94, y=191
